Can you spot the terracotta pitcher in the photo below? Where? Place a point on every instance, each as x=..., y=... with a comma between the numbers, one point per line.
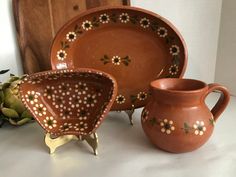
x=176, y=119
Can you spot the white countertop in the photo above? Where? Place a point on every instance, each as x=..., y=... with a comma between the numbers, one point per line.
x=124, y=151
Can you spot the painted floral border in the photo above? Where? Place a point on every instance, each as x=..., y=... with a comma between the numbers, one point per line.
x=125, y=18
x=167, y=126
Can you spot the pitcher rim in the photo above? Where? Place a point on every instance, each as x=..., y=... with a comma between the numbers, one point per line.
x=153, y=85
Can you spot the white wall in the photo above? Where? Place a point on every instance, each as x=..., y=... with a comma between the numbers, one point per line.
x=9, y=55
x=198, y=21
x=226, y=59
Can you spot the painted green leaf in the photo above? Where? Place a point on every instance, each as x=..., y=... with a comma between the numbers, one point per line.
x=186, y=128
x=212, y=121
x=94, y=19
x=153, y=28
x=153, y=121
x=133, y=98
x=133, y=21
x=167, y=40
x=106, y=57
x=126, y=63
x=176, y=60
x=113, y=18
x=96, y=24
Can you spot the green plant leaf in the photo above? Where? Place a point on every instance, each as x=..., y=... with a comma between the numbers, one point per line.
x=26, y=114
x=11, y=113
x=12, y=122
x=23, y=121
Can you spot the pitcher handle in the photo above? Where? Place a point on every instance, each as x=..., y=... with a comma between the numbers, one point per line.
x=223, y=100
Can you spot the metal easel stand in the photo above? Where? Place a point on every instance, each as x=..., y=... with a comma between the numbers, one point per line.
x=54, y=143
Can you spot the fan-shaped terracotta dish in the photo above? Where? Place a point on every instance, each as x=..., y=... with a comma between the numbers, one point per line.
x=71, y=102
x=134, y=45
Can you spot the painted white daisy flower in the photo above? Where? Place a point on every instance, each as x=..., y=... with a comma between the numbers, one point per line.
x=104, y=18
x=39, y=109
x=124, y=18
x=162, y=32
x=144, y=22
x=167, y=126
x=142, y=96
x=50, y=122
x=61, y=55
x=87, y=25
x=120, y=99
x=90, y=100
x=199, y=128
x=32, y=97
x=116, y=60
x=71, y=36
x=174, y=69
x=174, y=50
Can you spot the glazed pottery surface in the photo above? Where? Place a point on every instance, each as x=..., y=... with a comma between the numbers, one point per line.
x=177, y=119
x=134, y=45
x=69, y=102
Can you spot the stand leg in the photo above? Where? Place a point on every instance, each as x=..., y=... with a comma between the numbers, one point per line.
x=54, y=143
x=92, y=140
x=130, y=114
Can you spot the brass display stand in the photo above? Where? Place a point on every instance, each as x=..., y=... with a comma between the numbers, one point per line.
x=54, y=143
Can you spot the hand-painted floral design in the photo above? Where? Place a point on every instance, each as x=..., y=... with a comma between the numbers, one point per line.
x=32, y=97
x=120, y=99
x=39, y=109
x=61, y=55
x=171, y=70
x=35, y=81
x=124, y=18
x=116, y=60
x=83, y=114
x=65, y=113
x=58, y=101
x=66, y=127
x=75, y=101
x=82, y=126
x=87, y=25
x=174, y=69
x=174, y=50
x=104, y=18
x=167, y=126
x=142, y=96
x=144, y=22
x=145, y=114
x=50, y=122
x=71, y=36
x=199, y=128
x=81, y=88
x=49, y=92
x=90, y=100
x=63, y=88
x=162, y=32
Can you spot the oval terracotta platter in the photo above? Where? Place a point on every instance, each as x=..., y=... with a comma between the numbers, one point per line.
x=134, y=45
